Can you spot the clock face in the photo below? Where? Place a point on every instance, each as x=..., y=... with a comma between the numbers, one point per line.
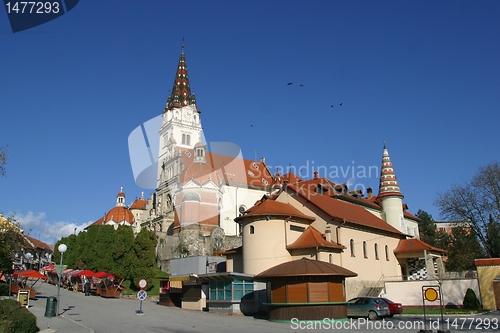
x=188, y=113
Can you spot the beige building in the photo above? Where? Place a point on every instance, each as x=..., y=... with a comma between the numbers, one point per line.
x=488, y=273
x=373, y=236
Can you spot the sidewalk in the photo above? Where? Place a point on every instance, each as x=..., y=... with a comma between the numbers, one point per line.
x=60, y=323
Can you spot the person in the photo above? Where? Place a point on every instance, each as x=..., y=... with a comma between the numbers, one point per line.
x=86, y=285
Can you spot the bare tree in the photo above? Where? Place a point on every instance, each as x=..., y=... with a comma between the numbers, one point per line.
x=3, y=159
x=477, y=203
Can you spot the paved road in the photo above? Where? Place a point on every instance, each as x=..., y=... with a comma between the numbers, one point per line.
x=83, y=314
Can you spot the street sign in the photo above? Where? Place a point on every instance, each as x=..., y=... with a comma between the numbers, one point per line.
x=431, y=294
x=142, y=295
x=143, y=283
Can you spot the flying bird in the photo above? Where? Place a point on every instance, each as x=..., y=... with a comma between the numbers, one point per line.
x=340, y=104
x=289, y=83
x=301, y=85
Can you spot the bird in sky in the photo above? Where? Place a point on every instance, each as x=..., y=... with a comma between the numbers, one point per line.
x=340, y=104
x=301, y=85
x=289, y=83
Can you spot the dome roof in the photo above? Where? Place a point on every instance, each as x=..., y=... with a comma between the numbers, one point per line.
x=200, y=173
x=119, y=214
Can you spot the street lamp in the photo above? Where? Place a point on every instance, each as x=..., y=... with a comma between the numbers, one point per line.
x=62, y=248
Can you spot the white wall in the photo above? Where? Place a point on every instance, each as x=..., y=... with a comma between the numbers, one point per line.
x=409, y=293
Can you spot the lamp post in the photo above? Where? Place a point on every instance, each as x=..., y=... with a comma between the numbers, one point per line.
x=62, y=248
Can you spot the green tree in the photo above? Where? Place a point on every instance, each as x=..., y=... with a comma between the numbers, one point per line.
x=463, y=247
x=427, y=228
x=477, y=202
x=10, y=238
x=145, y=254
x=493, y=237
x=123, y=253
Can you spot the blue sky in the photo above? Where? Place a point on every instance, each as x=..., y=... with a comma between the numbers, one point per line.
x=423, y=76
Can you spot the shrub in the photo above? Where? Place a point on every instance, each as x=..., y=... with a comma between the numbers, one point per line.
x=470, y=300
x=15, y=318
x=4, y=289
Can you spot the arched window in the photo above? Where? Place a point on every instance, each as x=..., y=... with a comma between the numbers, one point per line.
x=376, y=251
x=183, y=139
x=386, y=253
x=188, y=139
x=252, y=230
x=353, y=254
x=365, y=253
x=330, y=258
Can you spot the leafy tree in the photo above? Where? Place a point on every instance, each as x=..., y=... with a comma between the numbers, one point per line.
x=477, y=203
x=463, y=247
x=493, y=237
x=144, y=250
x=10, y=238
x=427, y=228
x=471, y=302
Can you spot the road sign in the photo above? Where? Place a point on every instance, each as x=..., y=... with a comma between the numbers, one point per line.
x=142, y=295
x=431, y=294
x=142, y=283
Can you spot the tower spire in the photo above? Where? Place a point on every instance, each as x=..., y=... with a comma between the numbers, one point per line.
x=388, y=183
x=181, y=92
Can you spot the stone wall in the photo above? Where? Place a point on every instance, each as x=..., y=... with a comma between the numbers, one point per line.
x=192, y=242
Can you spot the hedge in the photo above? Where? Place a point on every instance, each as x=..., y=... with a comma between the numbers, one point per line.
x=15, y=318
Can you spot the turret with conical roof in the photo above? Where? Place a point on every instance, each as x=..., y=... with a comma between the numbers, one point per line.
x=388, y=183
x=389, y=194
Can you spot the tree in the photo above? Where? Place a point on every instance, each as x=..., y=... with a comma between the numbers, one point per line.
x=477, y=203
x=3, y=159
x=463, y=247
x=427, y=228
x=145, y=253
x=10, y=237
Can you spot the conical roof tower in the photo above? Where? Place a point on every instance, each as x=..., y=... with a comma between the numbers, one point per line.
x=388, y=183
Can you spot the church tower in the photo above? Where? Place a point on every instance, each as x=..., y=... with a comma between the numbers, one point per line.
x=389, y=194
x=180, y=131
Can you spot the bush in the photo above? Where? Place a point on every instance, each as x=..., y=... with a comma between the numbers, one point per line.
x=4, y=289
x=15, y=318
x=470, y=300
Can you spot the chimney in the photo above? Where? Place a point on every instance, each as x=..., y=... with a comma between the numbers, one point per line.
x=328, y=234
x=315, y=174
x=369, y=192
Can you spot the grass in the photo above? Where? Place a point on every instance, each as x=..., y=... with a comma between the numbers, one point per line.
x=420, y=311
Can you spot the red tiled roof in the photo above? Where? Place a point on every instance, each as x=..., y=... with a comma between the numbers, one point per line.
x=139, y=204
x=487, y=262
x=234, y=170
x=306, y=267
x=344, y=211
x=291, y=178
x=38, y=243
x=414, y=244
x=274, y=208
x=312, y=238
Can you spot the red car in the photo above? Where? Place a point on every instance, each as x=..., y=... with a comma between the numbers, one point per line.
x=394, y=308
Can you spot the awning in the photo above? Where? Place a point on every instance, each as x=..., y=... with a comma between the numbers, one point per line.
x=86, y=273
x=32, y=274
x=180, y=278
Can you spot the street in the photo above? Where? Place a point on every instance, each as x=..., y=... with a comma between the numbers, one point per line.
x=100, y=315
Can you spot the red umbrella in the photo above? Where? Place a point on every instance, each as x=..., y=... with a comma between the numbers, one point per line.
x=32, y=274
x=86, y=273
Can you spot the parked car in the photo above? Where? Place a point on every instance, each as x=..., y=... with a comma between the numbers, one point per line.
x=371, y=307
x=394, y=308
